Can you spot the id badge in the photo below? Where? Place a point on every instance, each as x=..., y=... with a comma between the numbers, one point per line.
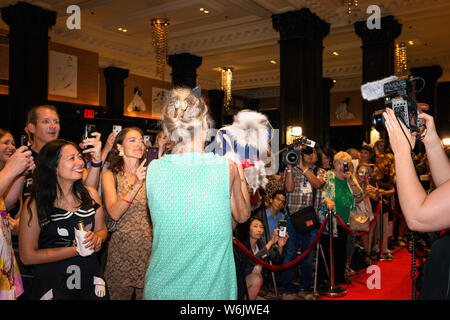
x=306, y=187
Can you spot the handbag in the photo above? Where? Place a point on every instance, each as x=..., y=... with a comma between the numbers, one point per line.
x=306, y=219
x=358, y=221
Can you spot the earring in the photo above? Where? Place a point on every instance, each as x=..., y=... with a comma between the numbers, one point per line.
x=121, y=154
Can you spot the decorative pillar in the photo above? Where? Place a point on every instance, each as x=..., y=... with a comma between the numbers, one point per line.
x=378, y=59
x=428, y=94
x=216, y=107
x=184, y=69
x=442, y=118
x=301, y=101
x=114, y=78
x=28, y=60
x=325, y=116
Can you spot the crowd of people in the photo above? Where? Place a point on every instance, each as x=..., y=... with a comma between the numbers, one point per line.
x=164, y=229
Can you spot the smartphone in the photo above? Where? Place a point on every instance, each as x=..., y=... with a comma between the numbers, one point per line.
x=23, y=140
x=345, y=167
x=117, y=129
x=88, y=130
x=282, y=225
x=152, y=154
x=146, y=139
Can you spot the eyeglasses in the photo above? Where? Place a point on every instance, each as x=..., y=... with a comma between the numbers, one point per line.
x=282, y=201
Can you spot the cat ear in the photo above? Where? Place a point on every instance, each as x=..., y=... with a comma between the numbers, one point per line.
x=197, y=91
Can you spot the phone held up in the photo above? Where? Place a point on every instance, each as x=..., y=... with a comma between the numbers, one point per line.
x=345, y=166
x=88, y=130
x=152, y=154
x=23, y=140
x=117, y=129
x=282, y=225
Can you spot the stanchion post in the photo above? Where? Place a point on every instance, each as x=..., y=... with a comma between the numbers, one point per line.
x=334, y=291
x=382, y=254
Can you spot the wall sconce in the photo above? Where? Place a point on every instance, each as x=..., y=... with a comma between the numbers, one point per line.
x=292, y=133
x=374, y=136
x=446, y=142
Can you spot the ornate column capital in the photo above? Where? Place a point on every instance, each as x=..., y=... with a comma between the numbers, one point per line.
x=390, y=29
x=300, y=24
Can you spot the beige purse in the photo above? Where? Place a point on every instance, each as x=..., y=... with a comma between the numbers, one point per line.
x=358, y=221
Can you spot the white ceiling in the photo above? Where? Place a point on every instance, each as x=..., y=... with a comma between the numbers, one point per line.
x=239, y=34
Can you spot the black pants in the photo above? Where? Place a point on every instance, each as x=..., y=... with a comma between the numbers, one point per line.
x=339, y=254
x=436, y=279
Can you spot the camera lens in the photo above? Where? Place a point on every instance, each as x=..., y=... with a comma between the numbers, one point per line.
x=378, y=120
x=291, y=157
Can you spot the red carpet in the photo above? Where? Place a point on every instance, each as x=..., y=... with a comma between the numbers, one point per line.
x=395, y=282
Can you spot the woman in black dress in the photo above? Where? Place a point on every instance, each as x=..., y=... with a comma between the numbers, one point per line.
x=57, y=203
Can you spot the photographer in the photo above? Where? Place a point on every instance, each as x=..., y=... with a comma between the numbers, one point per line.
x=300, y=182
x=424, y=212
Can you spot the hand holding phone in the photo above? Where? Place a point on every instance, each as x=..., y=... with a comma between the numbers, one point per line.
x=117, y=129
x=282, y=226
x=88, y=130
x=345, y=166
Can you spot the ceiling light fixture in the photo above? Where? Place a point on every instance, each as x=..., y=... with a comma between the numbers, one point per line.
x=160, y=28
x=273, y=62
x=227, y=77
x=335, y=53
x=401, y=62
x=410, y=42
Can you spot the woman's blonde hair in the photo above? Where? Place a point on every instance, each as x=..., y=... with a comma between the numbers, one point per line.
x=342, y=156
x=185, y=116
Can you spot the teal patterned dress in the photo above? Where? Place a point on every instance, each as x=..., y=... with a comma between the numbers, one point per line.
x=192, y=253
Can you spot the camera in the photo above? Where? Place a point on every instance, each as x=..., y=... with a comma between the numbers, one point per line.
x=294, y=151
x=117, y=129
x=399, y=95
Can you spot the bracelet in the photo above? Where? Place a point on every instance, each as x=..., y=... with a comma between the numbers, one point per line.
x=125, y=200
x=96, y=164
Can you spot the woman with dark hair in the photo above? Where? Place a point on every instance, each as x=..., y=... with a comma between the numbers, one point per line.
x=59, y=204
x=326, y=156
x=272, y=250
x=123, y=190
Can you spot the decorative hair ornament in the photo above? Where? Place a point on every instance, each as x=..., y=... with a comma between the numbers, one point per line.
x=182, y=106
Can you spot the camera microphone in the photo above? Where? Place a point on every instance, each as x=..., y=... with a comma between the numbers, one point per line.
x=375, y=90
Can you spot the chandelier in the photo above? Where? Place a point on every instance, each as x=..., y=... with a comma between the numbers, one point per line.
x=227, y=77
x=401, y=63
x=160, y=28
x=351, y=4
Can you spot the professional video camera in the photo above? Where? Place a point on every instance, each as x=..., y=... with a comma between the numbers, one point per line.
x=400, y=96
x=300, y=145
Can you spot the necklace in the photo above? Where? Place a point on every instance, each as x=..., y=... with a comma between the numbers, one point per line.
x=127, y=184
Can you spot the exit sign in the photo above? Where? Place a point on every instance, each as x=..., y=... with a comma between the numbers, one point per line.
x=89, y=113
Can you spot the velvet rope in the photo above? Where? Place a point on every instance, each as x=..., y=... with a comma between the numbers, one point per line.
x=287, y=265
x=346, y=228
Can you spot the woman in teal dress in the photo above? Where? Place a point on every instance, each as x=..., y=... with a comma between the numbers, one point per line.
x=193, y=197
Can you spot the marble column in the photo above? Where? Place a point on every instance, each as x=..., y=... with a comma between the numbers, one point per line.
x=378, y=59
x=28, y=60
x=184, y=69
x=301, y=88
x=114, y=78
